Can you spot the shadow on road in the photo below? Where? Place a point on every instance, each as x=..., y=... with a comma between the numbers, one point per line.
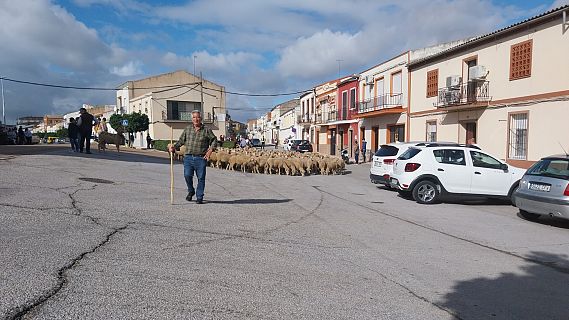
x=539, y=291
x=249, y=201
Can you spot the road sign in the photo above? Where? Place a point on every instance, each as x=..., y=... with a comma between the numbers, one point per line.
x=125, y=123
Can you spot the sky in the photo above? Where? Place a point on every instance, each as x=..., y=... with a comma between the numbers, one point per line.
x=273, y=47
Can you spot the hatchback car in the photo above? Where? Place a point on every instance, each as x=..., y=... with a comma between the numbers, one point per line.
x=382, y=161
x=435, y=171
x=255, y=143
x=544, y=189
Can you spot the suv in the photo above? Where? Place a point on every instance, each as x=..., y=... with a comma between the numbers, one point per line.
x=382, y=161
x=435, y=170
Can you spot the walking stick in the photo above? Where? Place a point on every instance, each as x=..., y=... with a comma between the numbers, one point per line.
x=171, y=168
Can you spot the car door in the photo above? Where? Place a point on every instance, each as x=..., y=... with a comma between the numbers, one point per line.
x=488, y=177
x=450, y=168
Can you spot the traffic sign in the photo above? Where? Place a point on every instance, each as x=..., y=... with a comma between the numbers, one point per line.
x=125, y=123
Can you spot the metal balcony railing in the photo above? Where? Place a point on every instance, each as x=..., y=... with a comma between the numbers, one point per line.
x=466, y=93
x=380, y=102
x=329, y=116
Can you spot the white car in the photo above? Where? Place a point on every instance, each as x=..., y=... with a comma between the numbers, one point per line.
x=382, y=161
x=431, y=172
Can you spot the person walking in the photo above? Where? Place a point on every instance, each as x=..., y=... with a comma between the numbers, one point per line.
x=263, y=143
x=73, y=131
x=21, y=136
x=148, y=141
x=200, y=143
x=364, y=149
x=28, y=135
x=357, y=152
x=85, y=124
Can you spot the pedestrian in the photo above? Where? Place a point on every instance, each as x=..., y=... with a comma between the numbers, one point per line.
x=148, y=141
x=364, y=149
x=263, y=143
x=21, y=136
x=200, y=143
x=73, y=131
x=130, y=139
x=357, y=152
x=85, y=124
x=103, y=125
x=28, y=135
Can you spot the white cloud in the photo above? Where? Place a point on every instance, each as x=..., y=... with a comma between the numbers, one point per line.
x=130, y=69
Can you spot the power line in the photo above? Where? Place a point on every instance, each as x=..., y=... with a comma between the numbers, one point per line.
x=157, y=87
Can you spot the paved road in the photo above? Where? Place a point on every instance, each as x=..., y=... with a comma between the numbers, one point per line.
x=262, y=247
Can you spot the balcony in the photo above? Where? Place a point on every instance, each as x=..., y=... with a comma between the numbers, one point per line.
x=329, y=116
x=466, y=93
x=305, y=119
x=380, y=103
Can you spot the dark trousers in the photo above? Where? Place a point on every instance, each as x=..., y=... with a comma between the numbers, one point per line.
x=195, y=164
x=85, y=141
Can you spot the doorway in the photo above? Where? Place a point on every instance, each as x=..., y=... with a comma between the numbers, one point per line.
x=395, y=133
x=333, y=142
x=374, y=139
x=470, y=132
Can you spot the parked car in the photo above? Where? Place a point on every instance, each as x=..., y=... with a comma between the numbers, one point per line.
x=382, y=161
x=290, y=142
x=302, y=146
x=435, y=171
x=544, y=189
x=256, y=143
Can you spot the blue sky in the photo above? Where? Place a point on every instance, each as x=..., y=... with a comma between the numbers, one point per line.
x=249, y=46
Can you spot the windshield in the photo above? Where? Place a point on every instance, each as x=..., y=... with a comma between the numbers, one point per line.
x=387, y=151
x=556, y=168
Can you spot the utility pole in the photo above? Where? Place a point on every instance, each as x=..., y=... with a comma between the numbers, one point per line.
x=3, y=114
x=195, y=65
x=201, y=91
x=339, y=68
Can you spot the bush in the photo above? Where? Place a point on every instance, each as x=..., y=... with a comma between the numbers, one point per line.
x=161, y=145
x=228, y=144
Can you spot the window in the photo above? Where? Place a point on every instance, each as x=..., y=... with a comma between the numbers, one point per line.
x=432, y=83
x=396, y=83
x=182, y=110
x=344, y=105
x=518, y=136
x=450, y=156
x=431, y=131
x=520, y=60
x=353, y=98
x=396, y=133
x=482, y=160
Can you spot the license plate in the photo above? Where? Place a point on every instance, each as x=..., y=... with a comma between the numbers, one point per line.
x=377, y=163
x=539, y=187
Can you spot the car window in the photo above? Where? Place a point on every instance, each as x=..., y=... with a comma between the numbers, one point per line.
x=387, y=151
x=410, y=153
x=483, y=160
x=450, y=156
x=557, y=168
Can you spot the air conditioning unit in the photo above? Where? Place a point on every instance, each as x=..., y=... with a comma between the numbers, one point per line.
x=453, y=81
x=369, y=80
x=477, y=73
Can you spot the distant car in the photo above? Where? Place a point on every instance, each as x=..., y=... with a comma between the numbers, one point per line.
x=301, y=146
x=544, y=189
x=256, y=143
x=290, y=143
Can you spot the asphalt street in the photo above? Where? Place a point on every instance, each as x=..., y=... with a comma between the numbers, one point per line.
x=96, y=237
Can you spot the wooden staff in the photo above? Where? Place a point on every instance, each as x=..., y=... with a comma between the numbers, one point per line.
x=171, y=167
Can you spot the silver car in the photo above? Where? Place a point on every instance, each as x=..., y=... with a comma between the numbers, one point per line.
x=544, y=189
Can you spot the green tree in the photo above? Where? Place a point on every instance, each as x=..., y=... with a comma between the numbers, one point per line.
x=116, y=122
x=137, y=122
x=62, y=133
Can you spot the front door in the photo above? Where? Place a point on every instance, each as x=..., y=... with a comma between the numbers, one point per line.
x=341, y=138
x=351, y=142
x=470, y=132
x=374, y=139
x=333, y=142
x=487, y=175
x=396, y=133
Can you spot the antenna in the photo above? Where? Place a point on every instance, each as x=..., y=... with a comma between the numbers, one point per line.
x=567, y=154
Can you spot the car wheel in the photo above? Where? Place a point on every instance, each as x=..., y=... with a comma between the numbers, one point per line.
x=426, y=192
x=528, y=215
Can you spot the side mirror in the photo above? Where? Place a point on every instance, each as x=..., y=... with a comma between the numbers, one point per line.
x=504, y=167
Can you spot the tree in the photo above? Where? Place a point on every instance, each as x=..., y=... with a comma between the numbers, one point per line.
x=137, y=122
x=116, y=122
x=62, y=133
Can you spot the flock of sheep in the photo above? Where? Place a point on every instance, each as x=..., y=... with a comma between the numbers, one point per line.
x=274, y=162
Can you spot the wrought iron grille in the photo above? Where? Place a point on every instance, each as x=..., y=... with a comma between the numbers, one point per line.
x=380, y=102
x=466, y=93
